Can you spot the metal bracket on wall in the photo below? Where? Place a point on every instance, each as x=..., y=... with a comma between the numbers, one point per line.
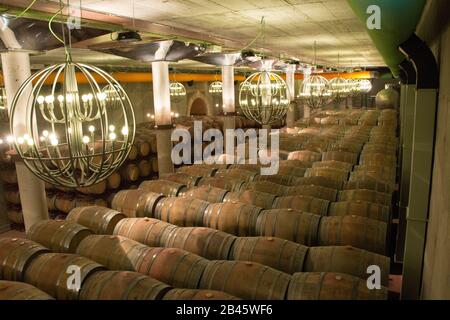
x=423, y=136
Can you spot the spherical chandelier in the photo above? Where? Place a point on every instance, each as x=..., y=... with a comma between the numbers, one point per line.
x=70, y=137
x=315, y=91
x=365, y=85
x=339, y=89
x=177, y=91
x=264, y=97
x=353, y=87
x=215, y=88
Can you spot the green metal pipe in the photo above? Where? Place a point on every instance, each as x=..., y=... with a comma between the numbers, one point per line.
x=399, y=19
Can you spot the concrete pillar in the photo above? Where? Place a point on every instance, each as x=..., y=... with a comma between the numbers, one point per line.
x=290, y=82
x=16, y=69
x=228, y=97
x=163, y=119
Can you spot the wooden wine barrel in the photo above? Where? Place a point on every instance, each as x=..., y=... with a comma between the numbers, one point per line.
x=98, y=188
x=334, y=174
x=302, y=203
x=53, y=273
x=182, y=212
x=259, y=199
x=12, y=290
x=129, y=172
x=291, y=171
x=331, y=286
x=182, y=178
x=266, y=186
x=15, y=256
x=196, y=294
x=346, y=147
x=235, y=218
x=354, y=231
x=347, y=260
x=147, y=231
x=122, y=285
x=167, y=188
x=379, y=148
x=99, y=220
x=66, y=203
x=360, y=208
x=342, y=156
x=280, y=254
x=136, y=203
x=205, y=193
x=133, y=154
x=320, y=181
x=222, y=182
x=15, y=216
x=313, y=191
x=366, y=195
x=198, y=171
x=58, y=236
x=296, y=226
x=278, y=179
x=305, y=155
x=208, y=243
x=256, y=168
x=368, y=185
x=246, y=280
x=172, y=266
x=295, y=163
x=12, y=196
x=145, y=168
x=236, y=173
x=372, y=176
x=144, y=148
x=113, y=181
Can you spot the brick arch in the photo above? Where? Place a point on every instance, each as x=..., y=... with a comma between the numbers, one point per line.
x=198, y=103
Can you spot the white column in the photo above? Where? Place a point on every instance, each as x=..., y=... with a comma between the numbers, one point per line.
x=290, y=82
x=228, y=89
x=16, y=69
x=163, y=119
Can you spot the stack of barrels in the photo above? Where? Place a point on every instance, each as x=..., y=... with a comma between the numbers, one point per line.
x=311, y=231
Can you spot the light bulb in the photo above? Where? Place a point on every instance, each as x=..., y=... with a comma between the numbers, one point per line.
x=30, y=142
x=45, y=133
x=49, y=99
x=69, y=130
x=172, y=114
x=9, y=139
x=124, y=131
x=69, y=98
x=52, y=136
x=91, y=129
x=153, y=117
x=40, y=99
x=90, y=96
x=86, y=139
x=112, y=128
x=176, y=115
x=20, y=140
x=101, y=96
x=54, y=142
x=61, y=98
x=26, y=136
x=148, y=115
x=112, y=136
x=84, y=98
x=1, y=141
x=42, y=139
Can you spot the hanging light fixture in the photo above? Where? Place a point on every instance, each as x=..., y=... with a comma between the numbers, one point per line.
x=177, y=91
x=339, y=89
x=315, y=91
x=215, y=88
x=264, y=96
x=353, y=87
x=365, y=85
x=71, y=138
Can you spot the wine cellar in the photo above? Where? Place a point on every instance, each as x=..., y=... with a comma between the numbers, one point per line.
x=250, y=150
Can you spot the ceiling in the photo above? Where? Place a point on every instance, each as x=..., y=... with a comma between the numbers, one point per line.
x=292, y=26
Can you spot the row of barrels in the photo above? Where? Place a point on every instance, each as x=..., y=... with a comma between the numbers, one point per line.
x=281, y=254
x=179, y=268
x=243, y=219
x=30, y=272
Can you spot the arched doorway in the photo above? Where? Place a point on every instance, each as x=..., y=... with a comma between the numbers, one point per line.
x=199, y=107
